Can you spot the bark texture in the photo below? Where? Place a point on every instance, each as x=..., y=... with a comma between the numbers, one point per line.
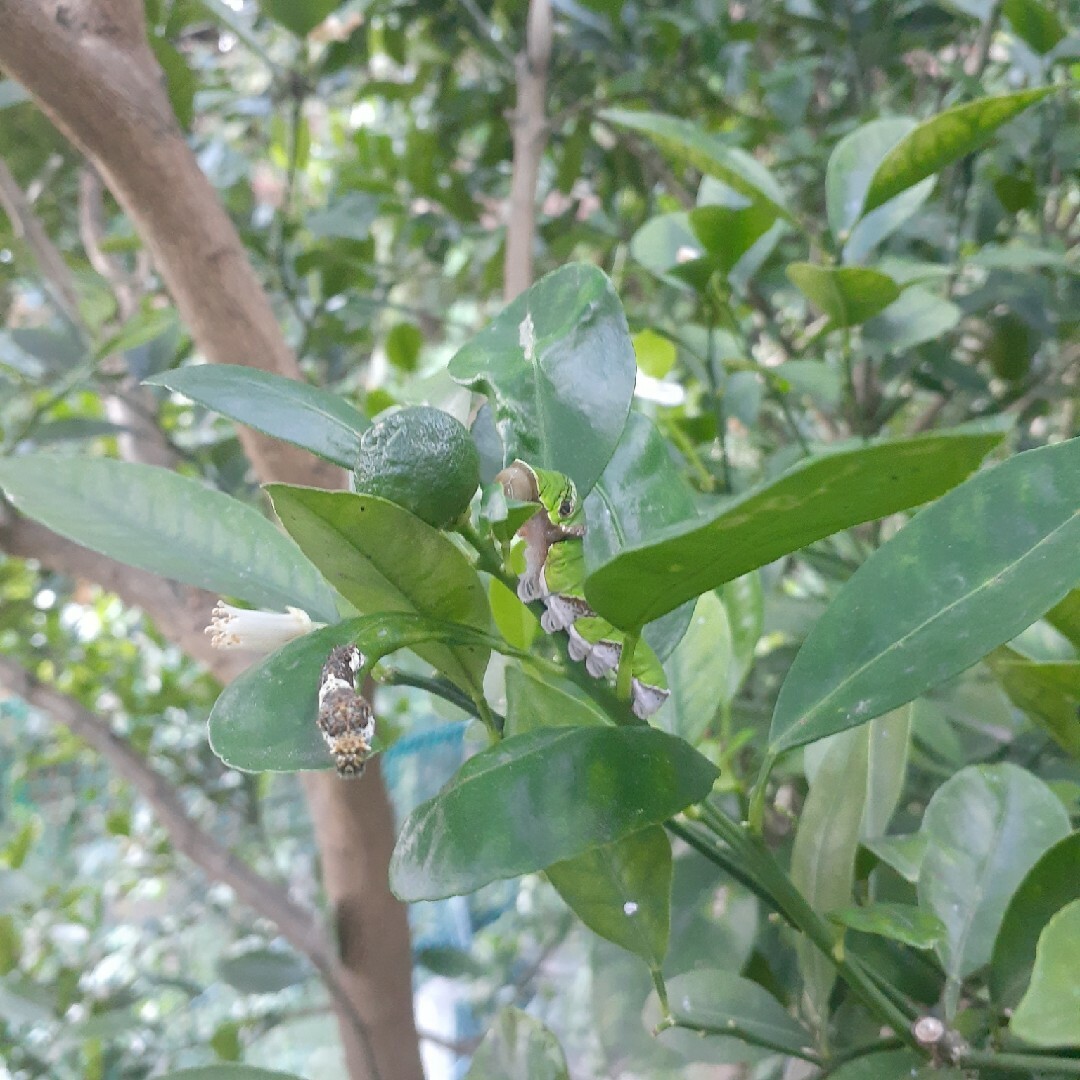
x=87, y=64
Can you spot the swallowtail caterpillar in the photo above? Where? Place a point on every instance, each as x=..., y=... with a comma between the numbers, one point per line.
x=345, y=718
x=555, y=573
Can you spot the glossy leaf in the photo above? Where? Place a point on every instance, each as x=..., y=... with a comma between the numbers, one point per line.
x=728, y=232
x=727, y=1005
x=966, y=575
x=887, y=757
x=1065, y=617
x=640, y=492
x=943, y=139
x=622, y=892
x=537, y=703
x=744, y=601
x=1049, y=693
x=986, y=826
x=699, y=672
x=264, y=720
x=898, y=922
x=167, y=524
x=517, y=1044
x=301, y=18
x=515, y=621
x=382, y=558
x=262, y=971
x=903, y=853
x=655, y=354
x=849, y=295
x=541, y=798
x=917, y=316
x=847, y=180
x=687, y=143
x=890, y=1065
x=1049, y=1012
x=1034, y=23
x=823, y=858
x=1049, y=885
x=818, y=497
x=558, y=368
x=306, y=416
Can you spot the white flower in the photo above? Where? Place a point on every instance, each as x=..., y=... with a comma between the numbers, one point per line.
x=259, y=631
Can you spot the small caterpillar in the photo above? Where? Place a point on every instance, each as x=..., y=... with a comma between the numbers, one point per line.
x=345, y=718
x=555, y=573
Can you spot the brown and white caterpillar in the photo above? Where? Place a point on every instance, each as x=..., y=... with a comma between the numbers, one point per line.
x=345, y=717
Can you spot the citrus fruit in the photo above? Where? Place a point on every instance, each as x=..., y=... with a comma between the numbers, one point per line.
x=422, y=459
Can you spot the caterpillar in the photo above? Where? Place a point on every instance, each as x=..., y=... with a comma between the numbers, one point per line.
x=555, y=574
x=345, y=718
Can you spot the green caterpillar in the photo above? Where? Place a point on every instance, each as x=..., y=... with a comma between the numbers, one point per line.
x=555, y=573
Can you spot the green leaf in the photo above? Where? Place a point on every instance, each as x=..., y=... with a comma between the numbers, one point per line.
x=263, y=971
x=518, y=1045
x=891, y=1065
x=264, y=720
x=729, y=232
x=347, y=218
x=727, y=1006
x=382, y=558
x=744, y=601
x=533, y=703
x=1034, y=23
x=660, y=242
x=541, y=798
x=849, y=295
x=820, y=496
x=144, y=326
x=823, y=858
x=903, y=853
x=403, y=345
x=916, y=317
x=1048, y=692
x=964, y=576
x=167, y=524
x=655, y=354
x=514, y=620
x=1049, y=885
x=699, y=672
x=622, y=892
x=228, y=1072
x=898, y=922
x=847, y=179
x=1065, y=617
x=324, y=423
x=558, y=367
x=179, y=79
x=986, y=826
x=1049, y=1013
x=943, y=139
x=687, y=143
x=887, y=757
x=299, y=16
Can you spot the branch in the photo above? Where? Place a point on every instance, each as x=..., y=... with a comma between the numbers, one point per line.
x=530, y=128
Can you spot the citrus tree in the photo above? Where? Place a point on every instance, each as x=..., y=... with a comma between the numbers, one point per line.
x=746, y=569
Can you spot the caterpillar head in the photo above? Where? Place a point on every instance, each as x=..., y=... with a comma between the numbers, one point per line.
x=555, y=492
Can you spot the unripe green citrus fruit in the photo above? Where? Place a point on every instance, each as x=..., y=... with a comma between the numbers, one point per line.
x=422, y=459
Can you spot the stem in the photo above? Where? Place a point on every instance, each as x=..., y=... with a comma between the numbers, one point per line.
x=747, y=1035
x=792, y=905
x=626, y=664
x=878, y=1046
x=756, y=813
x=439, y=687
x=487, y=558
x=661, y=993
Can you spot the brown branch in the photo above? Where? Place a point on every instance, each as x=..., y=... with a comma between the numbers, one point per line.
x=27, y=227
x=88, y=65
x=530, y=128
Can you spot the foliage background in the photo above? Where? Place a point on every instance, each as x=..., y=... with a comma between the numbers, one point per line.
x=365, y=157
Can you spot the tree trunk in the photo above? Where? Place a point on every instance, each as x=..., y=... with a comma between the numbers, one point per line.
x=88, y=65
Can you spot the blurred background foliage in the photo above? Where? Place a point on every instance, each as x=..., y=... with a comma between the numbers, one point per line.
x=364, y=153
